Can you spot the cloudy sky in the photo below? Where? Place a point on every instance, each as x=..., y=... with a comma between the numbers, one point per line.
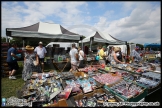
x=137, y=22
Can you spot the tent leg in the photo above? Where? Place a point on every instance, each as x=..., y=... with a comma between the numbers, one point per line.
x=91, y=45
x=82, y=45
x=6, y=38
x=23, y=43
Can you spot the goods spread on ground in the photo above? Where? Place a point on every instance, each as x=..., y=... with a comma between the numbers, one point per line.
x=127, y=89
x=82, y=89
x=107, y=78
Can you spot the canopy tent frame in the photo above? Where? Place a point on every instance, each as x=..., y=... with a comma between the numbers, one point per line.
x=45, y=32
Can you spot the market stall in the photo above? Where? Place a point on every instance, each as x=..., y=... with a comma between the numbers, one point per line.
x=47, y=32
x=92, y=85
x=44, y=32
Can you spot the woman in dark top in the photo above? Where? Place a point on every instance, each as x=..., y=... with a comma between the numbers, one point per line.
x=120, y=57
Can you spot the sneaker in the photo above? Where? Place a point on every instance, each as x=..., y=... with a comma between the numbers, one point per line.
x=12, y=77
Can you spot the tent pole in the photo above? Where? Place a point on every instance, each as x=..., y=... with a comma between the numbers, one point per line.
x=23, y=43
x=127, y=48
x=82, y=45
x=90, y=44
x=6, y=38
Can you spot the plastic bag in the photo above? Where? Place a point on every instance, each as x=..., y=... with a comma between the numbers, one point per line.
x=97, y=58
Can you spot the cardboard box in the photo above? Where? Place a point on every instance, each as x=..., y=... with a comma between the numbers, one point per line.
x=89, y=95
x=82, y=74
x=60, y=103
x=5, y=68
x=4, y=64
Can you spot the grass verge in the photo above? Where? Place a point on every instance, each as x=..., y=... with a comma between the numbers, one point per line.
x=10, y=87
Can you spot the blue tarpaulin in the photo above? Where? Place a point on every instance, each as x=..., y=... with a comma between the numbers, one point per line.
x=153, y=45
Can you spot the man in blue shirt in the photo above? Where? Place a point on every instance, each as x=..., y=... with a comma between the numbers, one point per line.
x=12, y=61
x=136, y=55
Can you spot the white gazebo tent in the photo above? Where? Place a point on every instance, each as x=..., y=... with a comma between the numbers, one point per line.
x=94, y=37
x=113, y=40
x=45, y=32
x=104, y=37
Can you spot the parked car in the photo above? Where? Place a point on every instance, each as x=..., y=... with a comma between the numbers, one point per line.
x=20, y=51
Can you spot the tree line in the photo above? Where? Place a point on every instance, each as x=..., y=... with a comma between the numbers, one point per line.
x=34, y=43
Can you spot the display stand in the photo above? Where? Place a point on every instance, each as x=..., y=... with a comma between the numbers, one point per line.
x=60, y=62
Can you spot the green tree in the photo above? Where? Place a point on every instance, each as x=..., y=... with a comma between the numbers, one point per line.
x=140, y=45
x=18, y=41
x=3, y=39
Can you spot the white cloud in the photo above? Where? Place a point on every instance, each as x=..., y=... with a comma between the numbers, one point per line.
x=50, y=8
x=100, y=4
x=82, y=31
x=142, y=24
x=68, y=13
x=109, y=13
x=127, y=6
x=14, y=3
x=102, y=24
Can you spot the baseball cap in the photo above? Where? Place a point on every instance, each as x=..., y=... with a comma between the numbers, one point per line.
x=40, y=43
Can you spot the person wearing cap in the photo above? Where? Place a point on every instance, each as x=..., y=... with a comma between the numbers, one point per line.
x=31, y=63
x=41, y=51
x=12, y=63
x=102, y=55
x=135, y=55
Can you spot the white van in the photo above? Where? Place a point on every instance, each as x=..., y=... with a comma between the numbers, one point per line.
x=61, y=44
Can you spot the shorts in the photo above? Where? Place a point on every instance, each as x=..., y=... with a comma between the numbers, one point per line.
x=81, y=63
x=41, y=60
x=13, y=65
x=74, y=65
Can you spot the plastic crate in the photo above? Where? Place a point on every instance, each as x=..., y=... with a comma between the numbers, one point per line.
x=131, y=99
x=89, y=95
x=129, y=71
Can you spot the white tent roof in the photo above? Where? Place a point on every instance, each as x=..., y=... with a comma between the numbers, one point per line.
x=103, y=38
x=112, y=39
x=49, y=28
x=97, y=38
x=43, y=31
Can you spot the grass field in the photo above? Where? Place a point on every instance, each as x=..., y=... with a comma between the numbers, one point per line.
x=9, y=87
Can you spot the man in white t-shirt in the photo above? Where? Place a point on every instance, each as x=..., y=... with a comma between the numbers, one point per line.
x=41, y=51
x=74, y=58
